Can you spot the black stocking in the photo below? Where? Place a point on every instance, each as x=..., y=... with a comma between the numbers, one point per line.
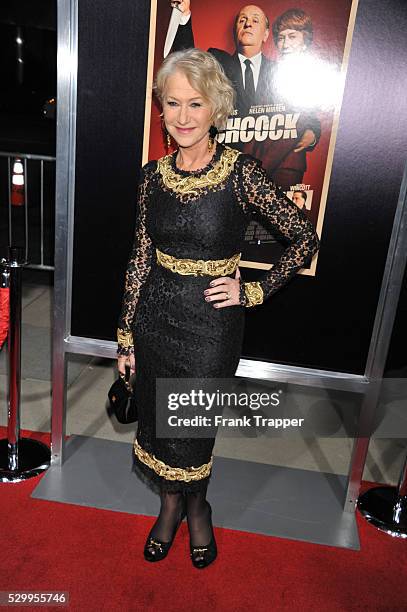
x=198, y=516
x=170, y=514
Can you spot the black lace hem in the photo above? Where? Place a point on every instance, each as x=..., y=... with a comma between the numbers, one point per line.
x=125, y=351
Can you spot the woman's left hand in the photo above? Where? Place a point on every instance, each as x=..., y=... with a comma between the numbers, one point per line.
x=224, y=291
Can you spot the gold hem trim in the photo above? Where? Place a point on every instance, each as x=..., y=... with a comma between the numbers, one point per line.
x=167, y=471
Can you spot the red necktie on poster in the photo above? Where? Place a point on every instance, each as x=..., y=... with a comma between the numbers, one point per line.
x=4, y=313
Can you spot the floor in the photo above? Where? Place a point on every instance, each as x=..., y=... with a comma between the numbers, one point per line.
x=267, y=499
x=89, y=379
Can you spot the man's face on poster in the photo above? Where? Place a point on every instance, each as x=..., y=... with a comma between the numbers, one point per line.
x=251, y=28
x=298, y=199
x=291, y=41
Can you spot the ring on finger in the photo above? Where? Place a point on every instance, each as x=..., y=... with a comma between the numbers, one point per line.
x=227, y=295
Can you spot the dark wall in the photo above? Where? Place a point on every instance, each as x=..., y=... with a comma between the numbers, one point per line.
x=323, y=322
x=40, y=14
x=113, y=39
x=396, y=364
x=327, y=323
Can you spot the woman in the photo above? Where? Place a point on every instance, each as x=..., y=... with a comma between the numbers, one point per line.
x=182, y=317
x=286, y=159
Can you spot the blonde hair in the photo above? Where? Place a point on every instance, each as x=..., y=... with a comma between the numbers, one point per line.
x=206, y=75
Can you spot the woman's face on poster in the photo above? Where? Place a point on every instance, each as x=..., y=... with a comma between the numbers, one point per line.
x=291, y=41
x=187, y=114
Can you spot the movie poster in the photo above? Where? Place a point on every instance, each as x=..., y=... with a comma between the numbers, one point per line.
x=287, y=62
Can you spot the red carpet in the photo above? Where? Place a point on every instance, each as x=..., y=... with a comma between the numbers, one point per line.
x=96, y=556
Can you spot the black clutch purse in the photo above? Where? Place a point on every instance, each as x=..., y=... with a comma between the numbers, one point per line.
x=122, y=401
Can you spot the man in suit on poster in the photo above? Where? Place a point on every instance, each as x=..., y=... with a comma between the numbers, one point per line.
x=251, y=73
x=248, y=69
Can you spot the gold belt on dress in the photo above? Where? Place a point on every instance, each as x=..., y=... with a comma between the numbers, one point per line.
x=213, y=267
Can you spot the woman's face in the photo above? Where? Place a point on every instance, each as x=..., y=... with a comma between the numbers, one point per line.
x=187, y=115
x=291, y=41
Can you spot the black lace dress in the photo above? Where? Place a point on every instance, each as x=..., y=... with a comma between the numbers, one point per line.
x=197, y=215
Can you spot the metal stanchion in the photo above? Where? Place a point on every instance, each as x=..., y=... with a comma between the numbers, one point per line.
x=20, y=458
x=386, y=507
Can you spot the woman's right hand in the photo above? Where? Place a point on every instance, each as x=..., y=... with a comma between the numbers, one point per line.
x=128, y=360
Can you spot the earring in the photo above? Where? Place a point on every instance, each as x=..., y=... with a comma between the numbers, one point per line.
x=167, y=138
x=166, y=133
x=212, y=135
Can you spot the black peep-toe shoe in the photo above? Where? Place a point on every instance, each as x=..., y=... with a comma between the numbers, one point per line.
x=156, y=550
x=202, y=556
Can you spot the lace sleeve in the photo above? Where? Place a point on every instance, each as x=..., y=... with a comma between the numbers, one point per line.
x=138, y=267
x=260, y=196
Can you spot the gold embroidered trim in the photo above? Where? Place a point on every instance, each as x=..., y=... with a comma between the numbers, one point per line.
x=172, y=473
x=254, y=294
x=193, y=184
x=213, y=267
x=124, y=338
